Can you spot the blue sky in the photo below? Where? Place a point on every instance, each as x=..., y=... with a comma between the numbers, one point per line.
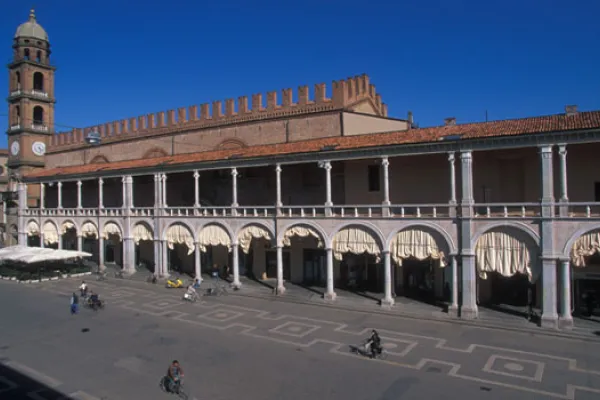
x=118, y=59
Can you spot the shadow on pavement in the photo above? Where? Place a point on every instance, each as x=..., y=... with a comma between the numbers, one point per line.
x=15, y=385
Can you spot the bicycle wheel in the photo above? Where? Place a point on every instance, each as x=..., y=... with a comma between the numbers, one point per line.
x=182, y=394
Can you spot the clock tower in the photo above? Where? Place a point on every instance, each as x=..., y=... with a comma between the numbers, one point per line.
x=30, y=99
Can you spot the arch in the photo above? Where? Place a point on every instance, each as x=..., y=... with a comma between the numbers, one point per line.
x=38, y=56
x=89, y=230
x=214, y=234
x=231, y=144
x=18, y=77
x=180, y=233
x=99, y=159
x=586, y=241
x=50, y=233
x=358, y=238
x=16, y=115
x=253, y=230
x=420, y=241
x=142, y=231
x=112, y=228
x=38, y=115
x=33, y=228
x=155, y=152
x=514, y=226
x=306, y=229
x=38, y=81
x=26, y=54
x=66, y=225
x=507, y=249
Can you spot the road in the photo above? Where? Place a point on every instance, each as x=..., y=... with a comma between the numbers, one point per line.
x=235, y=347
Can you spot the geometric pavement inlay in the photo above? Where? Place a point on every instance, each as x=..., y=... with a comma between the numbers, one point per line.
x=221, y=315
x=295, y=329
x=515, y=368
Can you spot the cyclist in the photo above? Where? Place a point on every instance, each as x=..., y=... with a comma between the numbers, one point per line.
x=94, y=299
x=174, y=375
x=83, y=289
x=374, y=344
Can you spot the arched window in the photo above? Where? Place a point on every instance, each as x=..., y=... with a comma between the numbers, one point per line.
x=18, y=77
x=38, y=56
x=38, y=81
x=38, y=115
x=16, y=115
x=26, y=54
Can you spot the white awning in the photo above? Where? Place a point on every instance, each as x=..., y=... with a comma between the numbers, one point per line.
x=502, y=253
x=251, y=232
x=33, y=229
x=180, y=234
x=30, y=255
x=301, y=231
x=89, y=230
x=585, y=246
x=355, y=241
x=66, y=226
x=50, y=233
x=112, y=229
x=213, y=235
x=418, y=244
x=141, y=232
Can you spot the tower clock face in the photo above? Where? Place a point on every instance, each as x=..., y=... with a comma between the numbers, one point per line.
x=38, y=148
x=15, y=148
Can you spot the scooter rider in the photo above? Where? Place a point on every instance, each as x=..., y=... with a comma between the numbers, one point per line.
x=374, y=344
x=191, y=292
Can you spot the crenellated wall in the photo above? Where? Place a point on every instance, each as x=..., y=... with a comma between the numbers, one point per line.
x=352, y=93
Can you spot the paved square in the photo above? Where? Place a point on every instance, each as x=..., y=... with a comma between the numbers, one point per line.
x=295, y=329
x=515, y=368
x=162, y=304
x=221, y=315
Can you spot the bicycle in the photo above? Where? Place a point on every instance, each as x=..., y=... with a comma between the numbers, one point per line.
x=364, y=350
x=217, y=290
x=175, y=388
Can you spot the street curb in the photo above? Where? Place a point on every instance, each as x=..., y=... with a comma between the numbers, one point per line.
x=481, y=324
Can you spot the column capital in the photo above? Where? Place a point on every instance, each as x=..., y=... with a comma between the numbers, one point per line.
x=79, y=183
x=59, y=184
x=325, y=164
x=100, y=181
x=466, y=155
x=277, y=168
x=562, y=149
x=196, y=174
x=451, y=156
x=385, y=252
x=546, y=151
x=234, y=171
x=163, y=177
x=129, y=179
x=124, y=179
x=385, y=161
x=234, y=244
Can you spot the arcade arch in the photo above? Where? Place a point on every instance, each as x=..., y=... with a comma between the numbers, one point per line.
x=180, y=248
x=51, y=236
x=214, y=242
x=68, y=234
x=90, y=240
x=303, y=256
x=112, y=244
x=143, y=239
x=33, y=234
x=578, y=279
x=254, y=244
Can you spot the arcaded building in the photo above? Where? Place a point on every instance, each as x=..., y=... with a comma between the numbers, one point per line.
x=316, y=186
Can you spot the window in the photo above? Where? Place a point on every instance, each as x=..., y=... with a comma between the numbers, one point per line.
x=374, y=178
x=597, y=191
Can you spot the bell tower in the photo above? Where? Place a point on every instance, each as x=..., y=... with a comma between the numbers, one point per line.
x=30, y=99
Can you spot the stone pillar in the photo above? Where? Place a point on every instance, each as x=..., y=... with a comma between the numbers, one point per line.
x=124, y=192
x=453, y=308
x=327, y=166
x=165, y=258
x=469, y=308
x=101, y=252
x=42, y=196
x=565, y=319
x=564, y=196
x=385, y=165
x=236, y=284
x=21, y=228
x=197, y=261
x=59, y=185
x=278, y=203
x=234, y=196
x=452, y=203
x=100, y=193
x=79, y=242
x=548, y=260
x=164, y=203
x=387, y=300
x=330, y=293
x=79, y=199
x=197, y=191
x=157, y=257
x=280, y=289
x=42, y=245
x=130, y=191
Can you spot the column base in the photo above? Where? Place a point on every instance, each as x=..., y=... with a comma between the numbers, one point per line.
x=236, y=285
x=453, y=311
x=279, y=290
x=469, y=313
x=329, y=296
x=565, y=323
x=387, y=302
x=550, y=321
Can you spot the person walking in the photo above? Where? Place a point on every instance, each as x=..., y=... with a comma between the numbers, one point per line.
x=74, y=304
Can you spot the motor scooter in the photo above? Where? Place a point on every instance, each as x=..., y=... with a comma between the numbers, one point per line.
x=174, y=283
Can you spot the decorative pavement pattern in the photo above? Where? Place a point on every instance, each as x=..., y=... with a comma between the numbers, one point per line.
x=487, y=365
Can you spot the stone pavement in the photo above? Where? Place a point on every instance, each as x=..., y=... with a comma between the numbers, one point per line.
x=464, y=358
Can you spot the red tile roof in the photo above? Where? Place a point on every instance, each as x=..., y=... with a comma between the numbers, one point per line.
x=551, y=123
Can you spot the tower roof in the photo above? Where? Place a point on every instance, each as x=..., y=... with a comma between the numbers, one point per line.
x=31, y=29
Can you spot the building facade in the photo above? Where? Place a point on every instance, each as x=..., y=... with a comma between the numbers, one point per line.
x=319, y=188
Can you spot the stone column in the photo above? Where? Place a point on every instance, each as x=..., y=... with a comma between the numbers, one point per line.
x=469, y=308
x=453, y=308
x=42, y=245
x=327, y=166
x=21, y=228
x=330, y=293
x=130, y=191
x=234, y=194
x=79, y=199
x=564, y=197
x=196, y=190
x=164, y=191
x=100, y=193
x=79, y=242
x=124, y=192
x=452, y=203
x=280, y=289
x=548, y=259
x=59, y=185
x=278, y=203
x=101, y=252
x=387, y=300
x=165, y=258
x=157, y=257
x=566, y=319
x=4, y=216
x=385, y=164
x=236, y=284
x=42, y=196
x=197, y=261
